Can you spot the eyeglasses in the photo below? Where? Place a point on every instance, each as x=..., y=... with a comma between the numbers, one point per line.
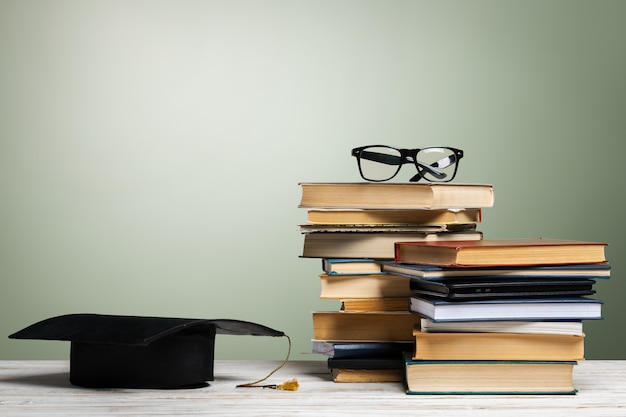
x=381, y=163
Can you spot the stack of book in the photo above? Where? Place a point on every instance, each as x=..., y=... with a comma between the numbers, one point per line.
x=353, y=228
x=499, y=316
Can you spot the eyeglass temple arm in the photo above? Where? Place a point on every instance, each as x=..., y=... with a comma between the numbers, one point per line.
x=442, y=163
x=396, y=160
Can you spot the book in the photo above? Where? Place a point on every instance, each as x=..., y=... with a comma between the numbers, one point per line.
x=477, y=288
x=366, y=375
x=361, y=349
x=390, y=362
x=569, y=327
x=341, y=266
x=386, y=369
x=431, y=272
x=371, y=195
x=497, y=346
x=488, y=377
x=375, y=304
x=370, y=245
x=384, y=326
x=390, y=217
x=548, y=308
x=496, y=252
x=390, y=228
x=363, y=286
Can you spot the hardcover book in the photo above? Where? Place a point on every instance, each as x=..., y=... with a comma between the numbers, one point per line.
x=496, y=252
x=364, y=286
x=497, y=346
x=488, y=377
x=366, y=375
x=372, y=195
x=377, y=369
x=548, y=308
x=432, y=272
x=393, y=326
x=370, y=245
x=475, y=289
x=347, y=266
x=396, y=362
x=569, y=327
x=375, y=304
x=348, y=350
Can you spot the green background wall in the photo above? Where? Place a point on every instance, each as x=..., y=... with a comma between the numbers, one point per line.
x=150, y=151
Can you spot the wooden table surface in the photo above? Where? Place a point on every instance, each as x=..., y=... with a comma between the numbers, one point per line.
x=42, y=388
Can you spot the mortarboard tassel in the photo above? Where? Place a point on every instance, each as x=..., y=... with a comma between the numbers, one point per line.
x=291, y=385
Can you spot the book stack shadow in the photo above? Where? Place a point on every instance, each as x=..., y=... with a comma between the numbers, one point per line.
x=353, y=228
x=499, y=316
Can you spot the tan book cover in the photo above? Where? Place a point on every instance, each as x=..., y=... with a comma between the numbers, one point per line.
x=371, y=195
x=489, y=377
x=498, y=346
x=369, y=326
x=363, y=286
x=500, y=252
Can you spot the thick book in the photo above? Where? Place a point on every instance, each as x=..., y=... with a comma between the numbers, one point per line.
x=567, y=327
x=488, y=377
x=498, y=252
x=394, y=326
x=548, y=308
x=351, y=350
x=370, y=245
x=478, y=288
x=390, y=217
x=371, y=195
x=431, y=272
x=347, y=266
x=363, y=286
x=498, y=346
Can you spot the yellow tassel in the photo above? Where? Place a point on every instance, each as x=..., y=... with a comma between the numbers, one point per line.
x=291, y=385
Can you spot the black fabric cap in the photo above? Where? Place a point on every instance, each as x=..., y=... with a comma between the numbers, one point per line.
x=110, y=351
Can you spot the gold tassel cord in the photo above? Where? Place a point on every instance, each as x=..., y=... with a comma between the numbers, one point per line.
x=291, y=385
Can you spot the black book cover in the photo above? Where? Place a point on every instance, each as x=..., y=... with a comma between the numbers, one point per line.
x=459, y=289
x=366, y=363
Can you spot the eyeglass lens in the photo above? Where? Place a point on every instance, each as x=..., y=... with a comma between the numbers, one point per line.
x=444, y=159
x=379, y=163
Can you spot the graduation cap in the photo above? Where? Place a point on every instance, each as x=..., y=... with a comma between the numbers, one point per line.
x=110, y=351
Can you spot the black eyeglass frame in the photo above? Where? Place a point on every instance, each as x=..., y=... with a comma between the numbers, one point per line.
x=407, y=156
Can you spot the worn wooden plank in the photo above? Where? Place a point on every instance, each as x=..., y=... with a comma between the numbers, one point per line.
x=42, y=388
